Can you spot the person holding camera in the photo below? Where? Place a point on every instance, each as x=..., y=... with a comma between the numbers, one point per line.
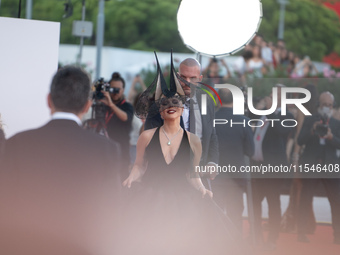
x=320, y=134
x=118, y=119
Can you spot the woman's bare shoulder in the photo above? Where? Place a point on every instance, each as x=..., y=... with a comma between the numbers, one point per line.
x=146, y=136
x=194, y=140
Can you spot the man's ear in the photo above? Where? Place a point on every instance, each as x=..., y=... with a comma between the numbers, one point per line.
x=200, y=78
x=50, y=103
x=87, y=106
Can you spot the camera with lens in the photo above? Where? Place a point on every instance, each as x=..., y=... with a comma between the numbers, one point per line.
x=101, y=86
x=321, y=129
x=99, y=109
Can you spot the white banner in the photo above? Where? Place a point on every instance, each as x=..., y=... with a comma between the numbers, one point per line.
x=28, y=60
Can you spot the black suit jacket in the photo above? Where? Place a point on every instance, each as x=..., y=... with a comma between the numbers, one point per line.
x=315, y=153
x=234, y=142
x=62, y=179
x=210, y=152
x=275, y=140
x=274, y=146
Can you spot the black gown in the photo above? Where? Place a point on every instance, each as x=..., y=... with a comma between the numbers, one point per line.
x=166, y=215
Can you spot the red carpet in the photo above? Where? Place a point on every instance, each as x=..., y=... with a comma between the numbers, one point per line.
x=321, y=243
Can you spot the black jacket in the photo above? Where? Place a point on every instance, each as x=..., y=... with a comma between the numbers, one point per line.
x=314, y=152
x=234, y=142
x=61, y=179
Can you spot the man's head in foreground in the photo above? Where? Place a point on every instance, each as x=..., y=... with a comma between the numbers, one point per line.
x=70, y=91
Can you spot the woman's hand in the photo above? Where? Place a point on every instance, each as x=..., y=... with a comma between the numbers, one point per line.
x=128, y=182
x=135, y=175
x=205, y=192
x=106, y=99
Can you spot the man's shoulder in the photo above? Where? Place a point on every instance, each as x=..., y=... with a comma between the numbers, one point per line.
x=95, y=140
x=126, y=105
x=23, y=135
x=51, y=132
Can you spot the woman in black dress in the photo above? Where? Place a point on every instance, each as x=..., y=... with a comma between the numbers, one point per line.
x=172, y=212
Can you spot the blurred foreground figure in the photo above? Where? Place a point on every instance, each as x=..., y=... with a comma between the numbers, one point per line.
x=59, y=182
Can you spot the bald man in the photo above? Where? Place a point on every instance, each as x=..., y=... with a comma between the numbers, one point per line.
x=320, y=134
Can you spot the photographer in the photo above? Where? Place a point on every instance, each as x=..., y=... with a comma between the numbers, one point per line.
x=320, y=134
x=118, y=118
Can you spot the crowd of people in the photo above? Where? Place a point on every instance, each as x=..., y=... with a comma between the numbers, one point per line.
x=261, y=58
x=136, y=190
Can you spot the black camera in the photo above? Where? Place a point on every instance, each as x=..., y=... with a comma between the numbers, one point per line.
x=321, y=129
x=101, y=86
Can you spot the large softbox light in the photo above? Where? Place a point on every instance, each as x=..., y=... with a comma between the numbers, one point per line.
x=218, y=27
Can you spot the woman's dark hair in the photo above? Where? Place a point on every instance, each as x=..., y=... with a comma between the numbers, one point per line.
x=260, y=52
x=248, y=54
x=214, y=60
x=116, y=77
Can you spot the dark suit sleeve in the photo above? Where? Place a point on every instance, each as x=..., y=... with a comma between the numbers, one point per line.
x=335, y=142
x=213, y=153
x=128, y=108
x=305, y=133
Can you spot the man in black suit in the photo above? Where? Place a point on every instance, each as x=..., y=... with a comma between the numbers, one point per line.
x=270, y=141
x=192, y=120
x=320, y=134
x=235, y=142
x=60, y=179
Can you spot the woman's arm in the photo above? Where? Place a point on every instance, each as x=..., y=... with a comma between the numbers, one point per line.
x=194, y=177
x=122, y=115
x=206, y=69
x=140, y=165
x=228, y=73
x=133, y=91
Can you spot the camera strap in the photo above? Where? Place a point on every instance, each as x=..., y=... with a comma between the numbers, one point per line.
x=108, y=115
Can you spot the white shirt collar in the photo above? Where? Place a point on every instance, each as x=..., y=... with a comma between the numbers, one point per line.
x=194, y=98
x=67, y=116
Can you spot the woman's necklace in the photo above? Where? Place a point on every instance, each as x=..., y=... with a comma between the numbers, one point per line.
x=169, y=142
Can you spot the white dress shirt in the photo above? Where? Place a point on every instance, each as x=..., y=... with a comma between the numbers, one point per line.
x=66, y=116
